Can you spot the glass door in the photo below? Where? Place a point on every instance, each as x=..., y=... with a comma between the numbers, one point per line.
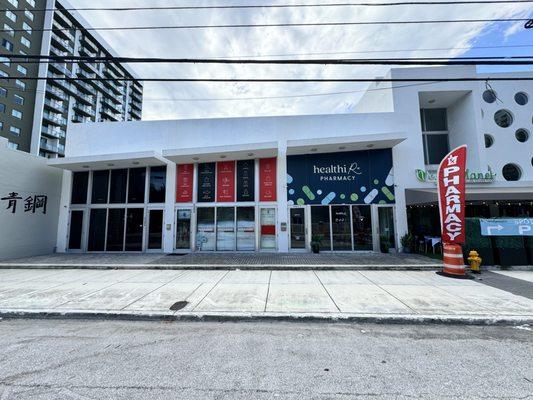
x=115, y=229
x=362, y=228
x=226, y=229
x=205, y=229
x=298, y=231
x=155, y=230
x=245, y=228
x=268, y=229
x=134, y=229
x=75, y=237
x=386, y=225
x=341, y=228
x=97, y=229
x=183, y=229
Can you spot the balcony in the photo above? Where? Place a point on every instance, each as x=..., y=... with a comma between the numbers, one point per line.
x=56, y=52
x=62, y=44
x=114, y=69
x=61, y=32
x=89, y=43
x=63, y=20
x=53, y=105
x=61, y=69
x=79, y=119
x=107, y=112
x=54, y=119
x=56, y=93
x=60, y=82
x=55, y=133
x=136, y=105
x=135, y=113
x=114, y=105
x=84, y=51
x=85, y=110
x=52, y=148
x=136, y=96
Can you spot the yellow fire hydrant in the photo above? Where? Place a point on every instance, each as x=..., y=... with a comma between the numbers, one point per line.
x=475, y=262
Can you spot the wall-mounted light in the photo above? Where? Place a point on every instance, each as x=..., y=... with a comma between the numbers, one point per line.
x=313, y=150
x=342, y=148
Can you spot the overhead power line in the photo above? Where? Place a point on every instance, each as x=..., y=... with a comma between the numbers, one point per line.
x=307, y=5
x=277, y=80
x=280, y=25
x=501, y=60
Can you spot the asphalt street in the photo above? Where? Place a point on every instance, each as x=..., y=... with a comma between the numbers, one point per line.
x=72, y=359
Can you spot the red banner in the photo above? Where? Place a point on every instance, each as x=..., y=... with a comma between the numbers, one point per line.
x=226, y=181
x=184, y=183
x=267, y=179
x=451, y=185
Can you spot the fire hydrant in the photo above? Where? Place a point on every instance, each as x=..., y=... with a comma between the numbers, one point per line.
x=475, y=262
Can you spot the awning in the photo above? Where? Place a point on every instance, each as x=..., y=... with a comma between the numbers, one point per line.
x=476, y=192
x=218, y=153
x=109, y=161
x=345, y=143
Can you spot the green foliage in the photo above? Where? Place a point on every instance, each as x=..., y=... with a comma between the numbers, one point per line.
x=509, y=242
x=407, y=240
x=317, y=239
x=474, y=239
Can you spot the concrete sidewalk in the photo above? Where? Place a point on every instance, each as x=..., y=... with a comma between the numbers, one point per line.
x=378, y=296
x=223, y=261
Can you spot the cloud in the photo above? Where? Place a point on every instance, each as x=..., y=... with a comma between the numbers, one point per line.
x=279, y=41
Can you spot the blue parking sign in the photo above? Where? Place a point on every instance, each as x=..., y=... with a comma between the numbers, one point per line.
x=507, y=227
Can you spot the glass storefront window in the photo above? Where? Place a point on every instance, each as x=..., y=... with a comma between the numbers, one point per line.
x=115, y=230
x=100, y=187
x=136, y=186
x=362, y=228
x=183, y=230
x=341, y=228
x=320, y=226
x=205, y=235
x=80, y=182
x=245, y=228
x=158, y=181
x=225, y=228
x=268, y=228
x=97, y=230
x=386, y=224
x=119, y=180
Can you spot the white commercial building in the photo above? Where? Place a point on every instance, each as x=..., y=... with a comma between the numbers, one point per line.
x=348, y=181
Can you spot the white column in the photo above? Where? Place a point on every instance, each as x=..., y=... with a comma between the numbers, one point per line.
x=402, y=226
x=169, y=220
x=64, y=212
x=283, y=218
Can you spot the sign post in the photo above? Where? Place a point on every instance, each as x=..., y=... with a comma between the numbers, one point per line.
x=451, y=184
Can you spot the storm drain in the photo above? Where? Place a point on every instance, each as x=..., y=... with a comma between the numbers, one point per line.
x=180, y=305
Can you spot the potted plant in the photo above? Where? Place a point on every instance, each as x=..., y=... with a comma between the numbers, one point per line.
x=384, y=244
x=407, y=241
x=316, y=240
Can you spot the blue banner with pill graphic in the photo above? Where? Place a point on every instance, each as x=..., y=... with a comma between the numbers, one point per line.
x=357, y=177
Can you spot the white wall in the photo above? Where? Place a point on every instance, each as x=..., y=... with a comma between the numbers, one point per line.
x=26, y=234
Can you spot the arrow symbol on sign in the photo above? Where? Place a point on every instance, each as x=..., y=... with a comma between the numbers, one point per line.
x=491, y=229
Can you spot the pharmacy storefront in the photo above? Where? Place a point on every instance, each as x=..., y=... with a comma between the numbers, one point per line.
x=344, y=200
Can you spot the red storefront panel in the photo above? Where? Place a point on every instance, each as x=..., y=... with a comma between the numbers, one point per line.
x=184, y=183
x=226, y=181
x=267, y=179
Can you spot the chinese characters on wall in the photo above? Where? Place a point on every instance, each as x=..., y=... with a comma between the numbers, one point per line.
x=30, y=204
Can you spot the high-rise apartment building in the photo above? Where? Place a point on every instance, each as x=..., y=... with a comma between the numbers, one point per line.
x=34, y=114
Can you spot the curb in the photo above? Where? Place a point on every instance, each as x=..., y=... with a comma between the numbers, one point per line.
x=273, y=317
x=244, y=267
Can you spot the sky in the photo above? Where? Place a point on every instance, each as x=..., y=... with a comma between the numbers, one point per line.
x=214, y=100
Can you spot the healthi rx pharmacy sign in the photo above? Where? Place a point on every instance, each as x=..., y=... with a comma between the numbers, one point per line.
x=451, y=185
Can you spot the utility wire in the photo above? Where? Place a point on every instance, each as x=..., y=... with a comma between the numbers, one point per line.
x=501, y=60
x=309, y=5
x=279, y=25
x=274, y=80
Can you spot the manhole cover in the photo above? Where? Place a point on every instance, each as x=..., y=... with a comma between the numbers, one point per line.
x=180, y=305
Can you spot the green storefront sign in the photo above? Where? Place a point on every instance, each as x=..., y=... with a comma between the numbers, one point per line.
x=471, y=176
